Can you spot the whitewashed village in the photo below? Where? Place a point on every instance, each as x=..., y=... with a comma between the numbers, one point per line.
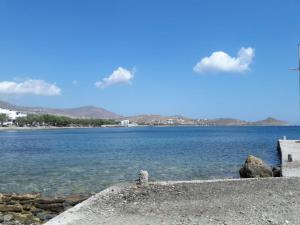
x=12, y=118
x=8, y=117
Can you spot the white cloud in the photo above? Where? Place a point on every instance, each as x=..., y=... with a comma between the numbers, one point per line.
x=222, y=62
x=34, y=87
x=75, y=82
x=119, y=76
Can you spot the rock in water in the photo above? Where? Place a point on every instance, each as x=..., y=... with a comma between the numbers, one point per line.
x=254, y=168
x=11, y=208
x=75, y=199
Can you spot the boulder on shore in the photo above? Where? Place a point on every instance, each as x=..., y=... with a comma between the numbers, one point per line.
x=254, y=168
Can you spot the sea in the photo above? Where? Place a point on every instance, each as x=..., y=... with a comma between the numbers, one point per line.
x=58, y=162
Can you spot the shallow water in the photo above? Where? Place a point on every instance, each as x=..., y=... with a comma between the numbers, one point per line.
x=63, y=161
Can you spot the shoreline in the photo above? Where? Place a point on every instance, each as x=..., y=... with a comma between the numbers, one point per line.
x=44, y=128
x=53, y=127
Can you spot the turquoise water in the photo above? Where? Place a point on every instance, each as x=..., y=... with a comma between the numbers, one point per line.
x=67, y=161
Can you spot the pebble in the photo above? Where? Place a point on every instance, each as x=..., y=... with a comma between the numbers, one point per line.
x=8, y=217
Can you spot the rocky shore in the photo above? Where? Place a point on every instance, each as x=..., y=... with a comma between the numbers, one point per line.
x=33, y=209
x=138, y=201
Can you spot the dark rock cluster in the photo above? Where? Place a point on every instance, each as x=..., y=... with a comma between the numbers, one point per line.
x=33, y=209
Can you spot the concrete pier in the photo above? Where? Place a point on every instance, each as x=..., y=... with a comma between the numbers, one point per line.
x=290, y=157
x=252, y=201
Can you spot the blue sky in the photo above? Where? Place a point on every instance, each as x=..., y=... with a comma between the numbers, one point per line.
x=58, y=54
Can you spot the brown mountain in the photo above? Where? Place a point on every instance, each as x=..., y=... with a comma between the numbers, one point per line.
x=100, y=113
x=269, y=122
x=80, y=112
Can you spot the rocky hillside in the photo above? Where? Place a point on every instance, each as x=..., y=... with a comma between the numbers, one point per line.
x=269, y=122
x=181, y=120
x=145, y=119
x=80, y=112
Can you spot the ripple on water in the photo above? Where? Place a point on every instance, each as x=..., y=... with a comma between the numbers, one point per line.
x=85, y=160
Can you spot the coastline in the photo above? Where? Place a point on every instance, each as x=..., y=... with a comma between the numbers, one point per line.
x=188, y=125
x=43, y=128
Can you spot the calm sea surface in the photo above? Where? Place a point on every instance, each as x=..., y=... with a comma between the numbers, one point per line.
x=64, y=161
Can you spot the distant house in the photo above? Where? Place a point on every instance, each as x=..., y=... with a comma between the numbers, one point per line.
x=12, y=115
x=170, y=121
x=125, y=123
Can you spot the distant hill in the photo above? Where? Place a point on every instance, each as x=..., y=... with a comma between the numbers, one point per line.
x=269, y=122
x=235, y=122
x=146, y=119
x=80, y=112
x=227, y=122
x=181, y=120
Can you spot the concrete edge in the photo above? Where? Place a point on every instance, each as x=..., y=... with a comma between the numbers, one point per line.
x=210, y=181
x=71, y=215
x=288, y=140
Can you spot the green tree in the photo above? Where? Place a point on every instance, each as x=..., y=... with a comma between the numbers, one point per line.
x=21, y=121
x=60, y=121
x=3, y=118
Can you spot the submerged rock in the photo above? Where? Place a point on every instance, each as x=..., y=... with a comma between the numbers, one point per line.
x=33, y=208
x=75, y=199
x=255, y=167
x=25, y=197
x=49, y=200
x=54, y=207
x=11, y=208
x=45, y=215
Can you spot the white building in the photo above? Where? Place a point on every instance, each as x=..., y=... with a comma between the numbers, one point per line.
x=11, y=114
x=170, y=121
x=125, y=123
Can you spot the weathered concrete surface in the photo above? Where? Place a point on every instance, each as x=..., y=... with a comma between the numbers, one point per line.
x=286, y=147
x=233, y=202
